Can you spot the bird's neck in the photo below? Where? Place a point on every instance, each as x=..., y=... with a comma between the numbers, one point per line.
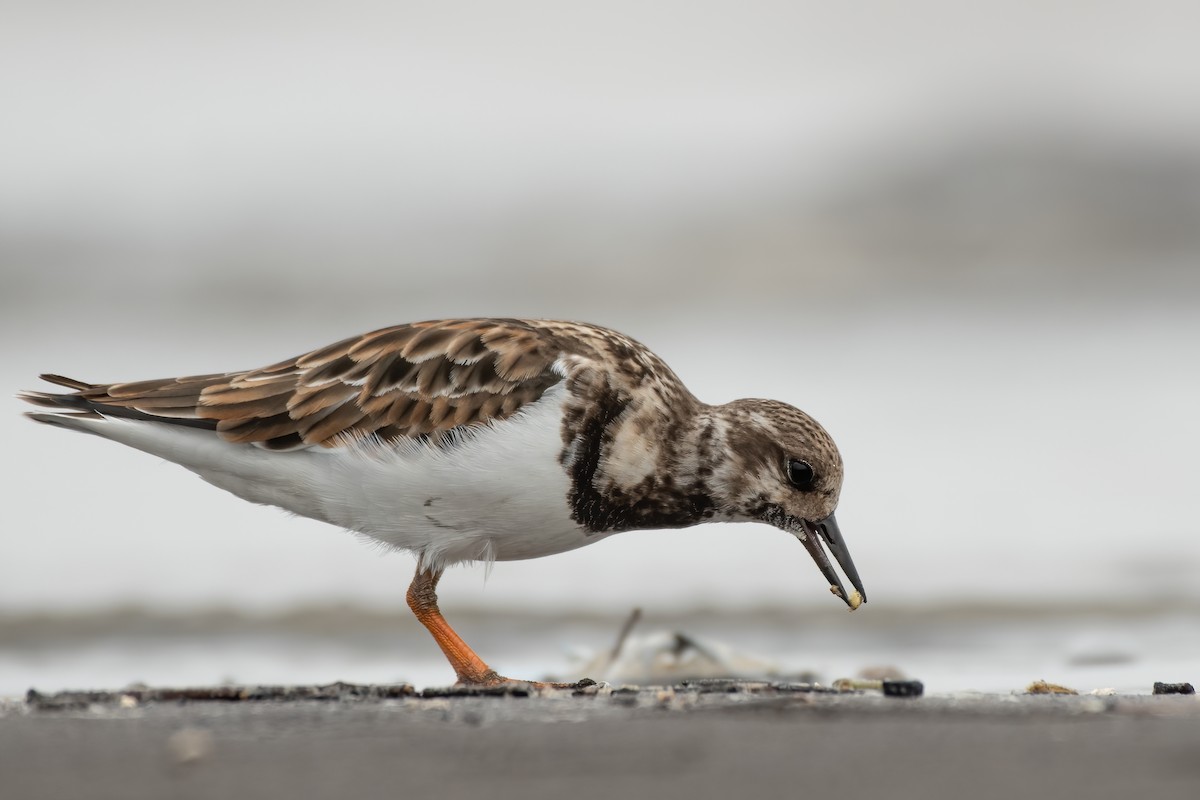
x=701, y=457
x=651, y=470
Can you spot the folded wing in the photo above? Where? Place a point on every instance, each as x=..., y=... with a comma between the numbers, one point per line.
x=403, y=381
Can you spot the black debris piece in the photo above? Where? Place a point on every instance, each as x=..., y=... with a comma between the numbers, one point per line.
x=903, y=688
x=1173, y=688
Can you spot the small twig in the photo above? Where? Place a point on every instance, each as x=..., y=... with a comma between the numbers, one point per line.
x=635, y=616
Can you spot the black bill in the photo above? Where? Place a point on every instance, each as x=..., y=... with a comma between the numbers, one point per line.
x=827, y=531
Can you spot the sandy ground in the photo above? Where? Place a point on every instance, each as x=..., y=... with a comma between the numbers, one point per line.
x=713, y=741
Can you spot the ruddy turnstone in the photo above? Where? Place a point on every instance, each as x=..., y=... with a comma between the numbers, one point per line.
x=481, y=440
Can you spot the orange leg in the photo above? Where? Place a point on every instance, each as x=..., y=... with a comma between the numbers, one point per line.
x=470, y=668
x=422, y=599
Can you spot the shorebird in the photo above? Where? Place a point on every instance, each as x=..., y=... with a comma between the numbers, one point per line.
x=481, y=440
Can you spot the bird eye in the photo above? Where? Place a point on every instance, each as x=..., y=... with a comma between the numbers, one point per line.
x=801, y=475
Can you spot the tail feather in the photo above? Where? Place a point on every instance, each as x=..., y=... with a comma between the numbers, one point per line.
x=48, y=400
x=76, y=407
x=70, y=383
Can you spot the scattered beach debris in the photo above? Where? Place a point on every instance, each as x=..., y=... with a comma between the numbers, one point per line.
x=667, y=657
x=1042, y=687
x=890, y=680
x=679, y=696
x=1173, y=688
x=670, y=657
x=735, y=686
x=515, y=689
x=889, y=687
x=132, y=697
x=503, y=690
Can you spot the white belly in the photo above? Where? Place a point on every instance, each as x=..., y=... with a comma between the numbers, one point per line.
x=497, y=492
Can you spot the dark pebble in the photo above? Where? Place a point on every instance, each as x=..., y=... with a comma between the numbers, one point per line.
x=903, y=688
x=1173, y=688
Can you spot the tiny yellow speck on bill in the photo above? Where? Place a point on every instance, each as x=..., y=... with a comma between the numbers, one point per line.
x=855, y=598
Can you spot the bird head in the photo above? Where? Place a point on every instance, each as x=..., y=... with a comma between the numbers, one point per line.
x=782, y=468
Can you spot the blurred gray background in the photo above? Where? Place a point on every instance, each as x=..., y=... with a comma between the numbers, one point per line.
x=965, y=237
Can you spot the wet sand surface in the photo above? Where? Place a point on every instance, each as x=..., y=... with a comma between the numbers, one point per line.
x=705, y=740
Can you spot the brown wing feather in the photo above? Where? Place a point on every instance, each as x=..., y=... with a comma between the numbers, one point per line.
x=402, y=381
